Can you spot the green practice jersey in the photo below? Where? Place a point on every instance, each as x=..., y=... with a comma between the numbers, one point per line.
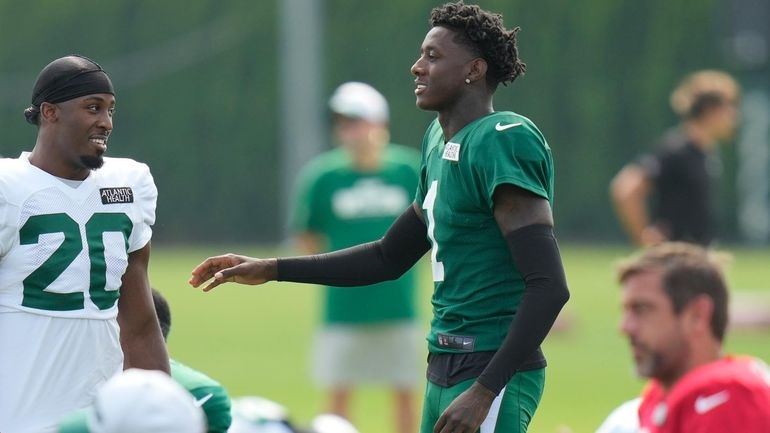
x=207, y=392
x=477, y=289
x=350, y=207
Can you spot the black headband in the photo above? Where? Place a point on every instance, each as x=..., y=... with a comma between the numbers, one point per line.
x=67, y=78
x=77, y=85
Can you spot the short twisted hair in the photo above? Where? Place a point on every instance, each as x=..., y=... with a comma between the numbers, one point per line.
x=484, y=33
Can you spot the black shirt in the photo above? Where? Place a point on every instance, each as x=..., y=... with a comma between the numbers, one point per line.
x=683, y=175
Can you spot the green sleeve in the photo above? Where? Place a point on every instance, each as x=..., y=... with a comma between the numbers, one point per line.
x=518, y=156
x=217, y=407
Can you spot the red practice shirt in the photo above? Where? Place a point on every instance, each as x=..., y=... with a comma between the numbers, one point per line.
x=730, y=395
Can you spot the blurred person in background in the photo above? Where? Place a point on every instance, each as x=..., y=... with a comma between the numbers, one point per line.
x=207, y=393
x=678, y=179
x=75, y=229
x=349, y=196
x=675, y=312
x=484, y=206
x=143, y=401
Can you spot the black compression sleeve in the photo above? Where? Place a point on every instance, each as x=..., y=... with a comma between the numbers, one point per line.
x=386, y=259
x=535, y=254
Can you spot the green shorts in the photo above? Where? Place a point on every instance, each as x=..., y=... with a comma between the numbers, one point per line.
x=511, y=411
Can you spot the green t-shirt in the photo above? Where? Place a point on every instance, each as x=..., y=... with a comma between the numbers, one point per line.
x=350, y=207
x=216, y=402
x=477, y=289
x=216, y=405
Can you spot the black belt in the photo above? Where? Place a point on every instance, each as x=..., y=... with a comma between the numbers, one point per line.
x=449, y=369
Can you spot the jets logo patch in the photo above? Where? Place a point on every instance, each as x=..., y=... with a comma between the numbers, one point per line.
x=116, y=195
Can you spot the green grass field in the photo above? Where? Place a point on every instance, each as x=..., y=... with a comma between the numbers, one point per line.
x=255, y=340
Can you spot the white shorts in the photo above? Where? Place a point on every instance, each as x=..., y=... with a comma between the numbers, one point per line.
x=389, y=354
x=51, y=366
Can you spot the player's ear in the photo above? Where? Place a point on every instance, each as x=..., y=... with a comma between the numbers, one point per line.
x=49, y=112
x=478, y=69
x=700, y=311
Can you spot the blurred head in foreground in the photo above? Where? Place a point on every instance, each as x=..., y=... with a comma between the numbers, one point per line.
x=144, y=401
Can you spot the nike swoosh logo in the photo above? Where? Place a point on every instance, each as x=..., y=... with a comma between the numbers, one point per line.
x=200, y=402
x=500, y=127
x=704, y=404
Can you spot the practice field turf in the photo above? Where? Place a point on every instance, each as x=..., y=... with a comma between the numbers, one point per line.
x=255, y=340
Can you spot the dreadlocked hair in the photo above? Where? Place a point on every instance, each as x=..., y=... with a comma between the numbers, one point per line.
x=484, y=33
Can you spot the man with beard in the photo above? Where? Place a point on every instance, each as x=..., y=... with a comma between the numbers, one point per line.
x=675, y=315
x=75, y=228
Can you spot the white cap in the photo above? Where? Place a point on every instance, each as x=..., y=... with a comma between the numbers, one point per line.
x=145, y=401
x=361, y=101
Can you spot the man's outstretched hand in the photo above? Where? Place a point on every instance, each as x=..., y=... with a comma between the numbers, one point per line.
x=233, y=268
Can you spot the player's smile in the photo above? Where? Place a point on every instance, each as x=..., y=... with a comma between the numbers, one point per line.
x=420, y=87
x=100, y=140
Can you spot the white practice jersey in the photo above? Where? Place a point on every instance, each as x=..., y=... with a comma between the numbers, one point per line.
x=63, y=251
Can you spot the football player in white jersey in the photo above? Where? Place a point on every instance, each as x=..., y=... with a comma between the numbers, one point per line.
x=75, y=228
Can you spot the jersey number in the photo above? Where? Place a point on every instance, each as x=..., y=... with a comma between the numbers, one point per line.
x=429, y=203
x=35, y=284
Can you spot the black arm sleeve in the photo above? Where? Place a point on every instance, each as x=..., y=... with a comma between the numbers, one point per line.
x=535, y=254
x=386, y=259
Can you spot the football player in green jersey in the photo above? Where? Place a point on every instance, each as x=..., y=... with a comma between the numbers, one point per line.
x=483, y=206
